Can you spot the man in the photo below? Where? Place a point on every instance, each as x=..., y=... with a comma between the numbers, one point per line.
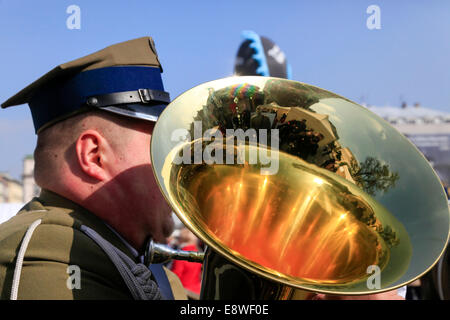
x=84, y=236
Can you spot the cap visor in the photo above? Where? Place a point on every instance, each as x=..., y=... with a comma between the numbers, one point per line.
x=138, y=111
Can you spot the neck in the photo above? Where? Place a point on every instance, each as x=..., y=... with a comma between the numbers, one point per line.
x=108, y=205
x=117, y=216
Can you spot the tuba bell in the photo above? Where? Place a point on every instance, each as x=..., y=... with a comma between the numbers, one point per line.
x=296, y=190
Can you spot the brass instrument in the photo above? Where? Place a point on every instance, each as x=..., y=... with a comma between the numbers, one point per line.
x=295, y=189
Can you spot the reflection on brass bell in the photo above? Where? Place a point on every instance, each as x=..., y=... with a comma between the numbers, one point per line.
x=298, y=187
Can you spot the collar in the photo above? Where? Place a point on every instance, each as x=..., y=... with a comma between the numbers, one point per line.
x=125, y=242
x=82, y=216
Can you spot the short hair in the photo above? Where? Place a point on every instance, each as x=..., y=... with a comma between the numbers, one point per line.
x=55, y=142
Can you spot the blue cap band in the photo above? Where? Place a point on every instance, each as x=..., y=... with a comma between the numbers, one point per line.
x=63, y=98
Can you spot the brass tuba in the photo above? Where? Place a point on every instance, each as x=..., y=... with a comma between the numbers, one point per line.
x=295, y=189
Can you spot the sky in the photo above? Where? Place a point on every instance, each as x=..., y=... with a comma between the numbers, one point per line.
x=327, y=43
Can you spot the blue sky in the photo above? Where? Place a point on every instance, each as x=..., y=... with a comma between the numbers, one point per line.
x=327, y=43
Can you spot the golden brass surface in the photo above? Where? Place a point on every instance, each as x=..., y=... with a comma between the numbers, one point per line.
x=342, y=190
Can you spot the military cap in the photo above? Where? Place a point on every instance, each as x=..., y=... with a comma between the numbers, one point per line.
x=124, y=78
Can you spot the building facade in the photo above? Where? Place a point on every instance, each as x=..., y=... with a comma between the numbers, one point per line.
x=11, y=190
x=427, y=129
x=14, y=191
x=30, y=188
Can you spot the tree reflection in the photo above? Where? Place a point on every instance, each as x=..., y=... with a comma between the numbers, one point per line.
x=373, y=176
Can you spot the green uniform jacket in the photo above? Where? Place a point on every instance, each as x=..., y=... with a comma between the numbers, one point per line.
x=56, y=244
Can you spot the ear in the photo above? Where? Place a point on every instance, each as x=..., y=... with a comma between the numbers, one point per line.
x=91, y=149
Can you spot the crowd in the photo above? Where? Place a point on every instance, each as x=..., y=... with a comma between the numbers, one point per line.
x=188, y=272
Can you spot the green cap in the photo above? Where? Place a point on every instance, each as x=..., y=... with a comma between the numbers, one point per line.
x=124, y=78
